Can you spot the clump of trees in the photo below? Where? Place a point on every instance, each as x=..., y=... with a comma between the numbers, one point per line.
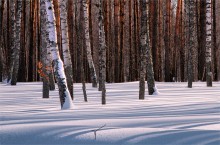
x=102, y=41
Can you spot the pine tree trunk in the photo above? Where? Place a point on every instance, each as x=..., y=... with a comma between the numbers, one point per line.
x=202, y=40
x=126, y=43
x=168, y=77
x=116, y=37
x=65, y=97
x=153, y=29
x=88, y=45
x=208, y=43
x=65, y=45
x=80, y=45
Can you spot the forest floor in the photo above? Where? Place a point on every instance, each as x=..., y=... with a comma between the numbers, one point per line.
x=177, y=116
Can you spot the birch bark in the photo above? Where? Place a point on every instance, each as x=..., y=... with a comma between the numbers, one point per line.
x=88, y=45
x=2, y=66
x=17, y=44
x=143, y=38
x=12, y=45
x=102, y=54
x=43, y=45
x=190, y=11
x=208, y=42
x=145, y=53
x=65, y=97
x=65, y=45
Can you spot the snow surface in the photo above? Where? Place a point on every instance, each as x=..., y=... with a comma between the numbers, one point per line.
x=176, y=116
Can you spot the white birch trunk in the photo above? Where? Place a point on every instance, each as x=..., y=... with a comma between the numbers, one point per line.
x=208, y=42
x=65, y=98
x=13, y=22
x=145, y=54
x=2, y=3
x=17, y=44
x=190, y=12
x=65, y=45
x=43, y=46
x=102, y=54
x=150, y=70
x=88, y=44
x=143, y=39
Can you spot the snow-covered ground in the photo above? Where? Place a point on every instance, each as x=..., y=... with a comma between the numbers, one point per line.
x=177, y=116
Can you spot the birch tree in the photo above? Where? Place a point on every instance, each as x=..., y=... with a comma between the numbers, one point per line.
x=190, y=11
x=13, y=34
x=2, y=4
x=145, y=53
x=88, y=44
x=17, y=42
x=44, y=51
x=65, y=45
x=208, y=42
x=143, y=37
x=65, y=97
x=102, y=54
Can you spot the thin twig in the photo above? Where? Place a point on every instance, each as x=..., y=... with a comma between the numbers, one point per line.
x=98, y=130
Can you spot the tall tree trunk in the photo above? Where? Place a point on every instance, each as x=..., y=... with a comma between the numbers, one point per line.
x=215, y=47
x=102, y=53
x=88, y=45
x=150, y=70
x=208, y=43
x=44, y=52
x=202, y=40
x=168, y=77
x=65, y=45
x=126, y=43
x=153, y=30
x=145, y=53
x=190, y=6
x=16, y=49
x=161, y=40
x=65, y=97
x=2, y=65
x=12, y=45
x=80, y=45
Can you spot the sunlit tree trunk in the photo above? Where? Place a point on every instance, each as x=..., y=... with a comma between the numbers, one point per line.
x=88, y=45
x=208, y=43
x=65, y=45
x=65, y=97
